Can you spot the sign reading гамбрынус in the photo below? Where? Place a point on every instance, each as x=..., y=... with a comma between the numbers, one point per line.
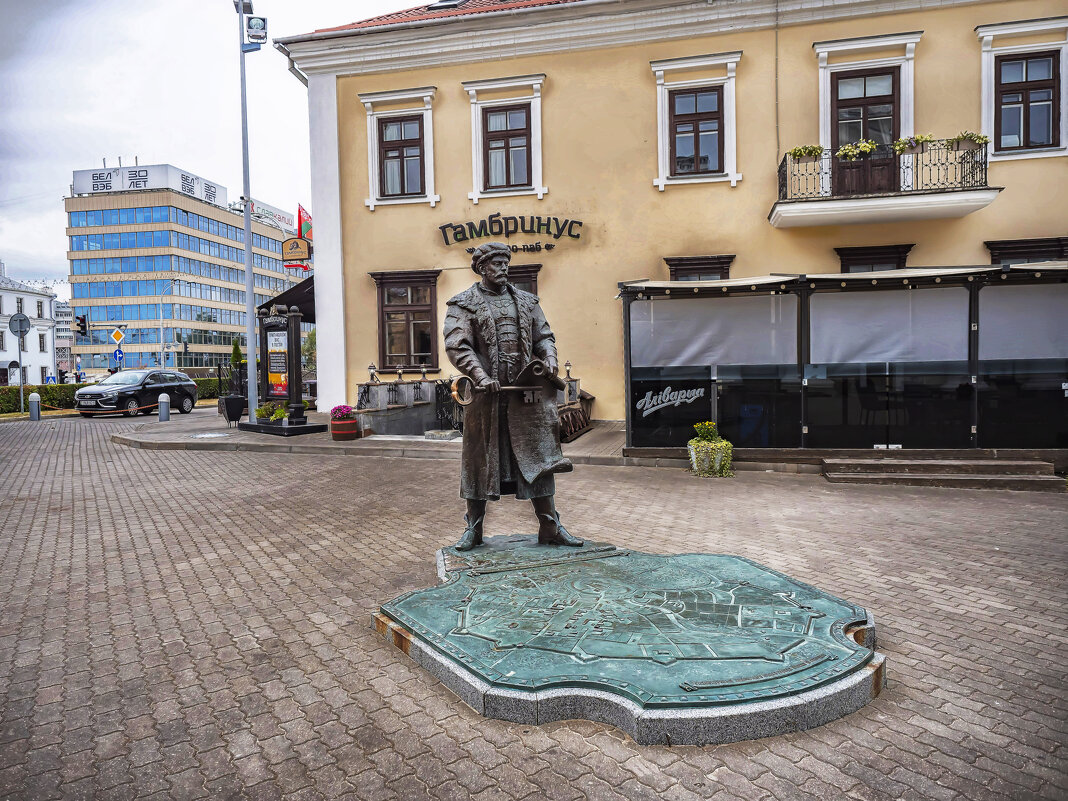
x=498, y=226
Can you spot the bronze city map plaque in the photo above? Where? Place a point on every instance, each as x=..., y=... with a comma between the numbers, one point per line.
x=631, y=633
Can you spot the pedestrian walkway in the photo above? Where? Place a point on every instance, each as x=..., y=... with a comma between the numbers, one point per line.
x=191, y=625
x=204, y=430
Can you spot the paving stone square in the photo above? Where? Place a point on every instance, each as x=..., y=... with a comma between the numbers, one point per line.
x=194, y=624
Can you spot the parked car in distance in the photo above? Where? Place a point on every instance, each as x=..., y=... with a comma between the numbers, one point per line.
x=133, y=391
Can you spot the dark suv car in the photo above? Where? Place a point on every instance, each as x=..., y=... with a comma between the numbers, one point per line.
x=131, y=391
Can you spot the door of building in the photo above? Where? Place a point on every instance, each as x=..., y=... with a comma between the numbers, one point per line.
x=865, y=106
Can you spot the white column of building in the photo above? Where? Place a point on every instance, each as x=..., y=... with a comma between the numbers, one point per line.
x=329, y=273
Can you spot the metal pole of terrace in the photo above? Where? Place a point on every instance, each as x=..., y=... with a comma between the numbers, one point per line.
x=245, y=7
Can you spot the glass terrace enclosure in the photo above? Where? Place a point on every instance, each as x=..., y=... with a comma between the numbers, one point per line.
x=968, y=357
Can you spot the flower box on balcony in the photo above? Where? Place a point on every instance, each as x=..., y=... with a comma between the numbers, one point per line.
x=912, y=145
x=967, y=140
x=805, y=154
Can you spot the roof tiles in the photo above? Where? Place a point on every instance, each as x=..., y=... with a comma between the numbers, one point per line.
x=425, y=14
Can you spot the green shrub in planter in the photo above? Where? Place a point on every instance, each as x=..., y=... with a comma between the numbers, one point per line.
x=710, y=454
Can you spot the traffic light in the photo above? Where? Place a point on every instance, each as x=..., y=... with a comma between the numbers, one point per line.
x=185, y=347
x=81, y=325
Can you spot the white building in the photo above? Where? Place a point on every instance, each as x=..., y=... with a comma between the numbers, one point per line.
x=64, y=336
x=38, y=349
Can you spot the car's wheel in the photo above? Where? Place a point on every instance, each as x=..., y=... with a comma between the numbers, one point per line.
x=186, y=406
x=132, y=408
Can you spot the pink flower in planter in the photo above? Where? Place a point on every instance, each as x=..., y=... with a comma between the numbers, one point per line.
x=342, y=413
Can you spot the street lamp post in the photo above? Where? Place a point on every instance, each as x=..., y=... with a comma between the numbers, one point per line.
x=244, y=7
x=167, y=287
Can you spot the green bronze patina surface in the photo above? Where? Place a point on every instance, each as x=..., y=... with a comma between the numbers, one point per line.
x=663, y=631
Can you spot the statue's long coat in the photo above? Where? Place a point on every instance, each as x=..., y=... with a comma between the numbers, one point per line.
x=534, y=428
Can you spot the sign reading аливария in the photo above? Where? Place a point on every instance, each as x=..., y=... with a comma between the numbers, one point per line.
x=500, y=227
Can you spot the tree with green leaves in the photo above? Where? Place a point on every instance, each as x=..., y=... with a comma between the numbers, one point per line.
x=307, y=351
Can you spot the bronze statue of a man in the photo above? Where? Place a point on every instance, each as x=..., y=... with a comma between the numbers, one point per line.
x=497, y=336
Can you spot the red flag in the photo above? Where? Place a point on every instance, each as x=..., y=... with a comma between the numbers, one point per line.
x=304, y=224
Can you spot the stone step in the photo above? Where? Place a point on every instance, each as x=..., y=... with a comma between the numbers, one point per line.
x=956, y=480
x=1004, y=467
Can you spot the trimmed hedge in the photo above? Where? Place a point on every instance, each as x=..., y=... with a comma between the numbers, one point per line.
x=207, y=388
x=59, y=396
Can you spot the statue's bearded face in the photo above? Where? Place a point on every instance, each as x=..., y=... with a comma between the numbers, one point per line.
x=495, y=270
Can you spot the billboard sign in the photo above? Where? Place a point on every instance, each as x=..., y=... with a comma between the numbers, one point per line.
x=283, y=218
x=277, y=367
x=149, y=176
x=296, y=249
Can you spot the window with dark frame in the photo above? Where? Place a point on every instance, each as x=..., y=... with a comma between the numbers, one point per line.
x=41, y=342
x=873, y=258
x=401, y=158
x=506, y=146
x=696, y=131
x=1027, y=251
x=525, y=277
x=699, y=268
x=407, y=320
x=1027, y=101
x=40, y=308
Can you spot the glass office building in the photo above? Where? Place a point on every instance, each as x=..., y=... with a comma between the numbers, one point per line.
x=155, y=252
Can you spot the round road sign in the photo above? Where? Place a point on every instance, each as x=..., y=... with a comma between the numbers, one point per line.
x=19, y=324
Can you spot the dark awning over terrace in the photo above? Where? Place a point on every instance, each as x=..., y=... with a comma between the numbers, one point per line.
x=302, y=296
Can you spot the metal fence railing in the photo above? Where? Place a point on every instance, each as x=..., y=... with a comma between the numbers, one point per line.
x=939, y=167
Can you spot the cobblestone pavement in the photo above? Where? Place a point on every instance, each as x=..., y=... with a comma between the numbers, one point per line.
x=195, y=625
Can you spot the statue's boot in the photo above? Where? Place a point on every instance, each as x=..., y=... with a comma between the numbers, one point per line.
x=550, y=530
x=472, y=537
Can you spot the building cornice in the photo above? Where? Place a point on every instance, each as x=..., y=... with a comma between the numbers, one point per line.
x=1022, y=27
x=562, y=29
x=862, y=43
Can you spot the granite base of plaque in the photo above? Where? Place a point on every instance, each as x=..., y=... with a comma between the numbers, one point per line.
x=279, y=430
x=689, y=649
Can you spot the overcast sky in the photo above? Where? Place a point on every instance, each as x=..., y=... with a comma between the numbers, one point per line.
x=94, y=79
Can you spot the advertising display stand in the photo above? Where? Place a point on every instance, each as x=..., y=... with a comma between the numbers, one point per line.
x=281, y=379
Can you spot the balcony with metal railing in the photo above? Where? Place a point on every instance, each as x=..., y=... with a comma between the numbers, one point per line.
x=932, y=181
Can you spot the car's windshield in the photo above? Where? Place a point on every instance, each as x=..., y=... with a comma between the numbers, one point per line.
x=125, y=377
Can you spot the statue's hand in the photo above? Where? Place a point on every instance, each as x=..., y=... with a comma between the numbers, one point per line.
x=554, y=368
x=487, y=384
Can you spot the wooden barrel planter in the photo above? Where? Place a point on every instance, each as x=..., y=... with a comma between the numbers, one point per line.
x=344, y=430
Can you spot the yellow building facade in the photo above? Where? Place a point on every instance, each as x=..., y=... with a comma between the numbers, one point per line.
x=595, y=181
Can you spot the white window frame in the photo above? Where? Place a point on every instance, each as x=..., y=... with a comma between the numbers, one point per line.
x=906, y=64
x=478, y=177
x=987, y=34
x=662, y=70
x=425, y=94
